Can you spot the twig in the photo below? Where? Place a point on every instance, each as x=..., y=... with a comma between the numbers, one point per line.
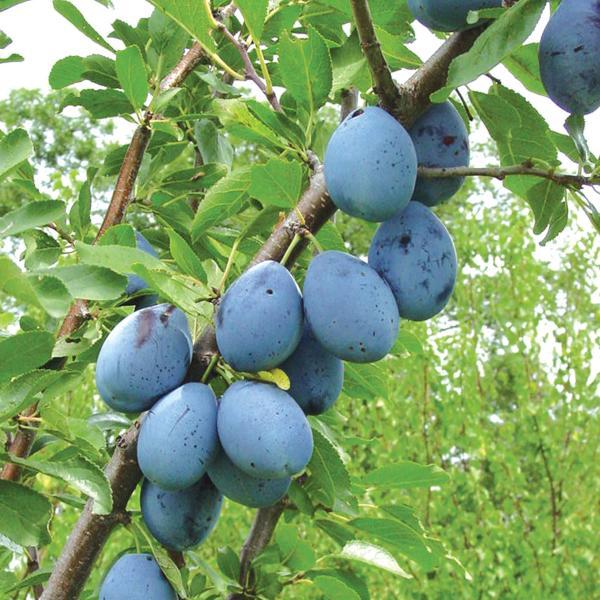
x=383, y=84
x=576, y=181
x=349, y=102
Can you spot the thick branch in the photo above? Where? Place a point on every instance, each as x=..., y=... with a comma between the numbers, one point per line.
x=576, y=181
x=383, y=84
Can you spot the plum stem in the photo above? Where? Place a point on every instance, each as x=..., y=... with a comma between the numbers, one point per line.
x=297, y=237
x=211, y=365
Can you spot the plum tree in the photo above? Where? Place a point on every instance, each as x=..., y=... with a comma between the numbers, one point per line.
x=350, y=308
x=447, y=15
x=144, y=357
x=181, y=519
x=136, y=577
x=370, y=165
x=441, y=139
x=178, y=437
x=415, y=254
x=243, y=488
x=316, y=376
x=259, y=320
x=263, y=430
x=569, y=51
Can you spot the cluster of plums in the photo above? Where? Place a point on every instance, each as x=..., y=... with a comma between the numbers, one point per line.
x=568, y=52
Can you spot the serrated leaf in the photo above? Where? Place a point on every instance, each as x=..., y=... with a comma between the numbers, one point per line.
x=277, y=183
x=33, y=214
x=524, y=64
x=23, y=352
x=119, y=259
x=78, y=472
x=66, y=71
x=73, y=15
x=495, y=43
x=23, y=390
x=15, y=148
x=229, y=563
x=335, y=589
x=373, y=555
x=305, y=68
x=408, y=342
x=214, y=147
x=544, y=198
x=254, y=13
x=222, y=201
x=24, y=514
x=185, y=257
x=100, y=104
x=365, y=380
x=90, y=282
x=131, y=72
x=407, y=475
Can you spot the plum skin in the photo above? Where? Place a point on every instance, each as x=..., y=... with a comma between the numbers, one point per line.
x=350, y=308
x=370, y=165
x=263, y=431
x=316, y=376
x=143, y=358
x=447, y=15
x=441, y=139
x=178, y=437
x=415, y=254
x=255, y=492
x=181, y=519
x=568, y=55
x=136, y=577
x=259, y=319
x=134, y=282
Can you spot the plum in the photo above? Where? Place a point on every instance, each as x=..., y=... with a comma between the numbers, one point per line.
x=181, y=519
x=259, y=320
x=414, y=253
x=441, y=140
x=136, y=577
x=242, y=488
x=263, y=430
x=569, y=56
x=143, y=358
x=178, y=437
x=370, y=165
x=316, y=376
x=447, y=15
x=350, y=308
x=134, y=282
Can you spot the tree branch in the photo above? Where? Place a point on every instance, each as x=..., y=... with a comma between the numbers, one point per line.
x=576, y=181
x=383, y=84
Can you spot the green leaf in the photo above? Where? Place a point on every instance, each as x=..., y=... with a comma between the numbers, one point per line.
x=11, y=58
x=191, y=15
x=78, y=472
x=373, y=555
x=119, y=259
x=229, y=563
x=305, y=68
x=214, y=147
x=90, y=282
x=23, y=352
x=544, y=198
x=524, y=64
x=66, y=71
x=100, y=103
x=15, y=148
x=406, y=475
x=365, y=381
x=24, y=514
x=496, y=42
x=31, y=215
x=131, y=72
x=52, y=294
x=13, y=282
x=558, y=222
x=328, y=472
x=74, y=16
x=222, y=201
x=119, y=235
x=79, y=215
x=23, y=391
x=277, y=183
x=254, y=13
x=409, y=342
x=334, y=589
x=575, y=125
x=6, y=4
x=185, y=257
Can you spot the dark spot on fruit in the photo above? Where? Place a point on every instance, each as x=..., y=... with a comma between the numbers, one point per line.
x=145, y=325
x=448, y=140
x=270, y=292
x=405, y=241
x=578, y=49
x=357, y=113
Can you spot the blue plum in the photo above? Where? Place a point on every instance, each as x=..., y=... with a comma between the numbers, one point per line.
x=259, y=320
x=370, y=165
x=441, y=140
x=350, y=308
x=447, y=15
x=136, y=577
x=569, y=51
x=263, y=431
x=181, y=519
x=178, y=437
x=316, y=376
x=143, y=358
x=414, y=253
x=134, y=282
x=243, y=488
